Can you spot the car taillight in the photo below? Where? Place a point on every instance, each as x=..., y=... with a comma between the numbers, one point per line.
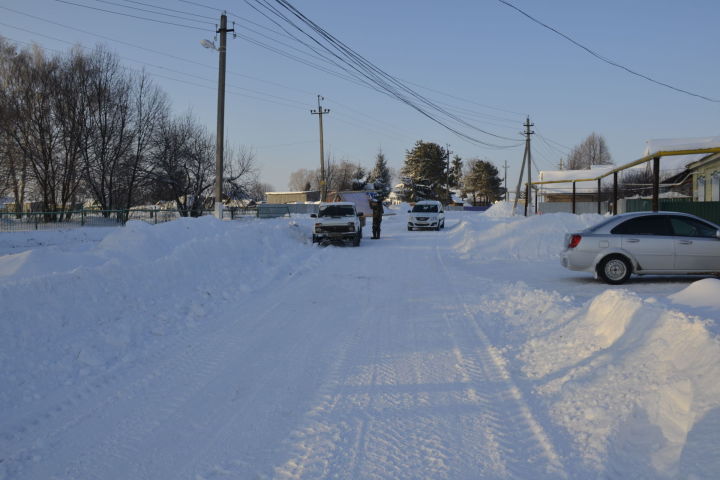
x=574, y=240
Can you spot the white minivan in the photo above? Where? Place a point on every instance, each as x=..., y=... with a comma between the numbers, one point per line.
x=427, y=214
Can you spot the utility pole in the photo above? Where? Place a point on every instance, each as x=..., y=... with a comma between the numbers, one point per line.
x=528, y=157
x=447, y=172
x=529, y=162
x=505, y=178
x=323, y=185
x=220, y=134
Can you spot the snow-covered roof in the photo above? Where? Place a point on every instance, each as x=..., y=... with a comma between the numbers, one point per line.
x=580, y=187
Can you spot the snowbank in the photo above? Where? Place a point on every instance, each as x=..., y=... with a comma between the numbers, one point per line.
x=61, y=315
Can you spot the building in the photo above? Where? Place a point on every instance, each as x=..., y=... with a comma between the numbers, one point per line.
x=292, y=197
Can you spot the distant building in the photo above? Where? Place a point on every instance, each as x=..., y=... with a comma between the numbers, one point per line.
x=292, y=197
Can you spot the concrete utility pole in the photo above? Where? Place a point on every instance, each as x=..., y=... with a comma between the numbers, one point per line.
x=220, y=134
x=323, y=184
x=529, y=162
x=526, y=157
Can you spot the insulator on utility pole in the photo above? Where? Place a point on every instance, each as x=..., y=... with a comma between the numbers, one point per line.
x=323, y=184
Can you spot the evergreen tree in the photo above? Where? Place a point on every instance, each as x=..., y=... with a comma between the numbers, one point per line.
x=426, y=168
x=482, y=182
x=380, y=176
x=456, y=172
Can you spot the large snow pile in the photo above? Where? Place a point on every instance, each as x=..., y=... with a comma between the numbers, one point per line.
x=69, y=312
x=627, y=377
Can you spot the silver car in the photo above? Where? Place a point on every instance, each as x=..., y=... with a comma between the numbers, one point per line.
x=644, y=243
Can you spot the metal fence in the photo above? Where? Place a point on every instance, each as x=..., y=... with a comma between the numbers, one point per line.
x=15, y=222
x=707, y=210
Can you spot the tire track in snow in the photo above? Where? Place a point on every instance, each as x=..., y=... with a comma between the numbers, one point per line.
x=485, y=365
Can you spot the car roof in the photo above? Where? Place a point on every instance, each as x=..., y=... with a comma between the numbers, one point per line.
x=427, y=201
x=624, y=216
x=325, y=204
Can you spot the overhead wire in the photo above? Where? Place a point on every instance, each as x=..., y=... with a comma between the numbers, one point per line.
x=605, y=59
x=159, y=7
x=132, y=16
x=362, y=67
x=116, y=4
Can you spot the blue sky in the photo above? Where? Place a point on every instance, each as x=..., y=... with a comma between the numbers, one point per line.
x=481, y=59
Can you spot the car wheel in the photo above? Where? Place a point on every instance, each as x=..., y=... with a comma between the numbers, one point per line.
x=409, y=229
x=615, y=269
x=356, y=240
x=314, y=239
x=442, y=225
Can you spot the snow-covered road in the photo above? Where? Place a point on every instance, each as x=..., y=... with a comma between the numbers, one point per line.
x=207, y=350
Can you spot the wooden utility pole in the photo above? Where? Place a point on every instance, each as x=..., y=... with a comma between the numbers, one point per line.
x=220, y=133
x=323, y=184
x=447, y=172
x=505, y=178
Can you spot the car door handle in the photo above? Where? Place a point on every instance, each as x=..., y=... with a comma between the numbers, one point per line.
x=632, y=240
x=685, y=242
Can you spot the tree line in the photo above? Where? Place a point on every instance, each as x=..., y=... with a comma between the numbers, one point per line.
x=78, y=127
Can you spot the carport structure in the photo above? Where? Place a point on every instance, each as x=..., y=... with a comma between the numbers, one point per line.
x=654, y=157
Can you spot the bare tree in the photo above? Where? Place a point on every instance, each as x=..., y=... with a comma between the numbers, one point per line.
x=149, y=109
x=29, y=99
x=183, y=163
x=592, y=151
x=240, y=173
x=303, y=180
x=109, y=132
x=13, y=164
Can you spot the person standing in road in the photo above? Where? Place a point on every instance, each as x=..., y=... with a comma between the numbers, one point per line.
x=377, y=209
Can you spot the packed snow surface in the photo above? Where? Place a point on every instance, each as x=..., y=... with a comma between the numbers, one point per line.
x=201, y=350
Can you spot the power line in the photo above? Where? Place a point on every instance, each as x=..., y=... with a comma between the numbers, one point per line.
x=361, y=68
x=132, y=16
x=198, y=4
x=116, y=4
x=169, y=9
x=605, y=59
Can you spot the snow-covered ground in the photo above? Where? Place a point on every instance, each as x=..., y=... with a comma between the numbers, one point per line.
x=203, y=350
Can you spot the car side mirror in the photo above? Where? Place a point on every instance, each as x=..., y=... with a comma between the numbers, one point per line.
x=313, y=215
x=409, y=211
x=361, y=214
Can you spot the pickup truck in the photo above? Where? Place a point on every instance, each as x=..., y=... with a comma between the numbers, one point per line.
x=337, y=221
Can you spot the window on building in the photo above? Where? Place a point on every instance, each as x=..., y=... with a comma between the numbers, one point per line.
x=700, y=190
x=715, y=190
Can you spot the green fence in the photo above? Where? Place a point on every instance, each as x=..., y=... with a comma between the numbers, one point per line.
x=707, y=210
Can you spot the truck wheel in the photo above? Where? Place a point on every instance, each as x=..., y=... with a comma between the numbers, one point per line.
x=356, y=240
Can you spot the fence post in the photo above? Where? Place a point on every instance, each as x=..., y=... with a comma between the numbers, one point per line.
x=599, y=197
x=82, y=217
x=615, y=193
x=656, y=184
x=573, y=197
